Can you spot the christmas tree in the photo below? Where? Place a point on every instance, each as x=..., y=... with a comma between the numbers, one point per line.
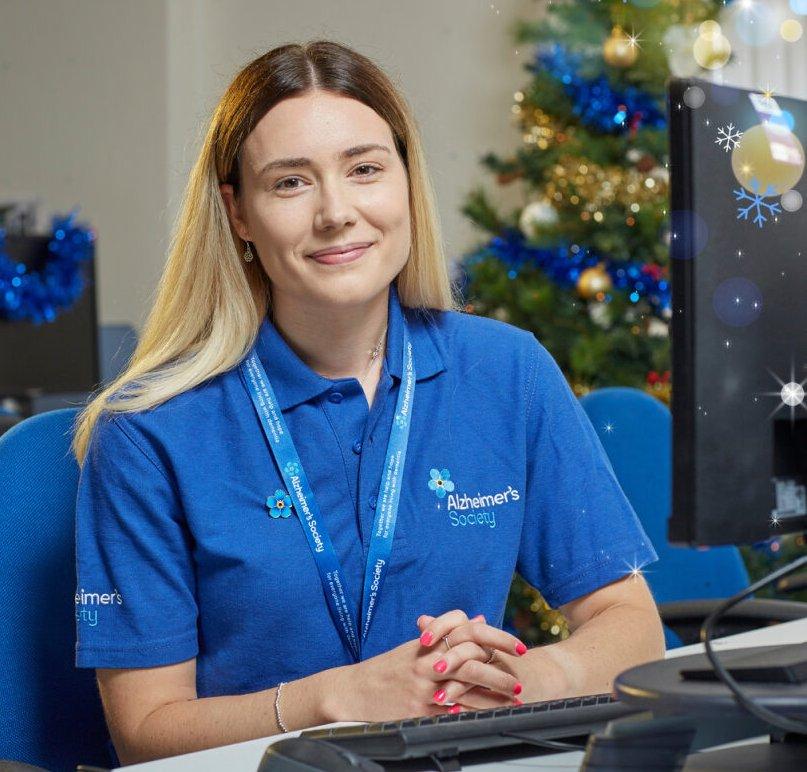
x=584, y=262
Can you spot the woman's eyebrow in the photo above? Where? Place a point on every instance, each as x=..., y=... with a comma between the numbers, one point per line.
x=290, y=163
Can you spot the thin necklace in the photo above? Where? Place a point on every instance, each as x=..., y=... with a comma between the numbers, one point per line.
x=374, y=352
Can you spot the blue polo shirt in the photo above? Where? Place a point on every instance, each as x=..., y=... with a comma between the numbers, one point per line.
x=178, y=554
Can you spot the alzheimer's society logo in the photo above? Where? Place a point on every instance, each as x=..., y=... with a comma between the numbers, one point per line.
x=481, y=505
x=87, y=604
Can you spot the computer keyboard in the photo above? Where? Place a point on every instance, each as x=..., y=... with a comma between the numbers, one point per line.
x=539, y=723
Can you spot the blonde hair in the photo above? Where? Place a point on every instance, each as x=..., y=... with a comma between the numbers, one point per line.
x=209, y=303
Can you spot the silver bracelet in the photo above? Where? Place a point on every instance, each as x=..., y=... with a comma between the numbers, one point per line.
x=277, y=707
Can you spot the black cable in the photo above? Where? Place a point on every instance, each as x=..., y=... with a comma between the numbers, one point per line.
x=554, y=745
x=769, y=716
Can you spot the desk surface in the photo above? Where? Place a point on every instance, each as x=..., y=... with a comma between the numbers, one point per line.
x=247, y=755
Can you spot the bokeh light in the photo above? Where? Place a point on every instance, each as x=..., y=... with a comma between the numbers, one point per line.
x=694, y=97
x=689, y=233
x=791, y=30
x=756, y=23
x=737, y=301
x=792, y=201
x=762, y=162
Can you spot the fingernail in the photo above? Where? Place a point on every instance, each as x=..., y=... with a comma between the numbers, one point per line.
x=454, y=709
x=439, y=695
x=520, y=648
x=440, y=666
x=479, y=617
x=517, y=701
x=517, y=689
x=426, y=638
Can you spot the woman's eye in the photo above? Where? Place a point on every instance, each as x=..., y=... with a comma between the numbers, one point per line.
x=367, y=166
x=282, y=186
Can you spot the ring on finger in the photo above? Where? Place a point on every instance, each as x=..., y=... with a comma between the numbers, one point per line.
x=490, y=658
x=445, y=639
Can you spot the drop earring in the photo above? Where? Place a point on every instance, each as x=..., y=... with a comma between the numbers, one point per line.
x=248, y=256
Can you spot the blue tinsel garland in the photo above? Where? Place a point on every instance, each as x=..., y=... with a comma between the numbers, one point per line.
x=38, y=296
x=563, y=265
x=595, y=101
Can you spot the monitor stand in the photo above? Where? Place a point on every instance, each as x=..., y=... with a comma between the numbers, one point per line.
x=714, y=713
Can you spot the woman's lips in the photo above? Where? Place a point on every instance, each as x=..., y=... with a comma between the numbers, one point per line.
x=341, y=257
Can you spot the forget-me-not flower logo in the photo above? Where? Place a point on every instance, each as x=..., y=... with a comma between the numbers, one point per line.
x=440, y=482
x=400, y=420
x=293, y=467
x=279, y=503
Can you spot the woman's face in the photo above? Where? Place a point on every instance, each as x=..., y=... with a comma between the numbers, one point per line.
x=322, y=199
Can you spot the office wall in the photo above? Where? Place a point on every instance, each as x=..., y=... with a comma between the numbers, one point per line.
x=102, y=103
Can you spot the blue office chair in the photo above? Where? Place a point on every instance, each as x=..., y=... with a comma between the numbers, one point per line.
x=50, y=711
x=636, y=432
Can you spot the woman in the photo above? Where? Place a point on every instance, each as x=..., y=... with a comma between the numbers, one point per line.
x=307, y=494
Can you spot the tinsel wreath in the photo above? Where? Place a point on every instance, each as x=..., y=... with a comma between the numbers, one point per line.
x=39, y=295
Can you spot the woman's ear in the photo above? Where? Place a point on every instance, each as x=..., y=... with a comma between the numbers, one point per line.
x=228, y=195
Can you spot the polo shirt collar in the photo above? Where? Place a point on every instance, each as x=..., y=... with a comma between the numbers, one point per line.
x=294, y=382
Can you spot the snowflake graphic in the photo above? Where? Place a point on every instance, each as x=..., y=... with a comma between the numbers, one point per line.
x=728, y=137
x=757, y=203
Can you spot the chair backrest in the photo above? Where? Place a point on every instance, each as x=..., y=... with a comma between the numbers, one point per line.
x=116, y=344
x=50, y=711
x=635, y=429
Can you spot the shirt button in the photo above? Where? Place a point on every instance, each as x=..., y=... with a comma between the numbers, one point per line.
x=357, y=447
x=335, y=397
x=372, y=502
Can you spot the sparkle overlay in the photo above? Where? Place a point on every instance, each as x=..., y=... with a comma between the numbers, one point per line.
x=791, y=394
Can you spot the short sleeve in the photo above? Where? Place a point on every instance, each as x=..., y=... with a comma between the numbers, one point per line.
x=135, y=582
x=580, y=531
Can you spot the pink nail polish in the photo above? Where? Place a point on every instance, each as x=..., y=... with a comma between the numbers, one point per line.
x=454, y=709
x=439, y=695
x=426, y=638
x=517, y=689
x=440, y=666
x=520, y=648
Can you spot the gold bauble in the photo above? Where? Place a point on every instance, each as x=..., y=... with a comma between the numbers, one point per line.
x=593, y=281
x=580, y=389
x=754, y=165
x=618, y=50
x=662, y=391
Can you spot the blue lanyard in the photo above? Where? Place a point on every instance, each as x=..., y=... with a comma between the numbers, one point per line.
x=291, y=469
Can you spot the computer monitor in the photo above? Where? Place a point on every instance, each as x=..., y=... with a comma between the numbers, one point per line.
x=739, y=323
x=51, y=357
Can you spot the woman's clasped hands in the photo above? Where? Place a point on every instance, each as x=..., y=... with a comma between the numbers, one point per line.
x=467, y=656
x=431, y=676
